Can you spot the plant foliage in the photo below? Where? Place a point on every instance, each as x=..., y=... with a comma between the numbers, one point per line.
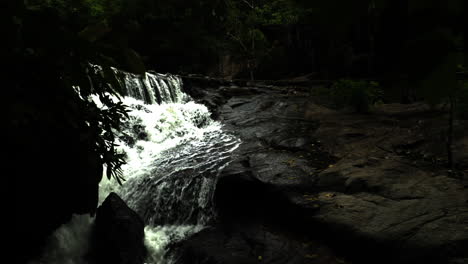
x=51, y=59
x=358, y=95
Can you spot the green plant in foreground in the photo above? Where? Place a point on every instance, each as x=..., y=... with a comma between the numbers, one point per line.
x=100, y=123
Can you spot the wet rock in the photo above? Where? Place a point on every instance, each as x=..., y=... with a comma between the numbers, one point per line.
x=372, y=186
x=129, y=140
x=237, y=91
x=395, y=206
x=459, y=261
x=133, y=61
x=143, y=136
x=118, y=233
x=249, y=245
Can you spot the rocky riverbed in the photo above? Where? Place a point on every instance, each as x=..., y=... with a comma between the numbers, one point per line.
x=313, y=185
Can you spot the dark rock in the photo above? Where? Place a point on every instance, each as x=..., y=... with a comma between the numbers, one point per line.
x=459, y=261
x=95, y=32
x=343, y=176
x=143, y=136
x=140, y=132
x=129, y=140
x=55, y=177
x=237, y=91
x=133, y=61
x=118, y=233
x=394, y=206
x=249, y=245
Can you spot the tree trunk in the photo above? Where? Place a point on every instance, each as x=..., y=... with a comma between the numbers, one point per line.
x=450, y=134
x=252, y=63
x=371, y=39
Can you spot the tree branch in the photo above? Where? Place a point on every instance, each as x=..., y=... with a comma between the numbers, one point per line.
x=238, y=40
x=249, y=4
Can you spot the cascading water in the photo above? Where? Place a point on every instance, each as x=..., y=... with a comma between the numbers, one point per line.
x=174, y=154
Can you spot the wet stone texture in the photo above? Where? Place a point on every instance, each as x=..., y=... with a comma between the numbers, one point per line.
x=118, y=234
x=372, y=188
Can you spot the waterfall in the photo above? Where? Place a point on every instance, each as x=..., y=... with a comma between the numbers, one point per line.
x=174, y=152
x=152, y=88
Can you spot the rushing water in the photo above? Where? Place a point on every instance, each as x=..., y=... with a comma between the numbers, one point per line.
x=174, y=154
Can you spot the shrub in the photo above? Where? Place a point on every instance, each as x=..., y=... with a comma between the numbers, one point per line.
x=358, y=95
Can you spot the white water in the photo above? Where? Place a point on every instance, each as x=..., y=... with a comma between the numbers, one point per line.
x=157, y=238
x=174, y=153
x=69, y=243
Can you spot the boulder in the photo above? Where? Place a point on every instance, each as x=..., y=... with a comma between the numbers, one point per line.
x=133, y=61
x=118, y=233
x=240, y=246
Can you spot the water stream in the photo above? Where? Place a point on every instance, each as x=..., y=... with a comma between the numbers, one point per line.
x=174, y=154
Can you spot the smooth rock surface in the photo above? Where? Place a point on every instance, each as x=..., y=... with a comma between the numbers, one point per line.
x=372, y=186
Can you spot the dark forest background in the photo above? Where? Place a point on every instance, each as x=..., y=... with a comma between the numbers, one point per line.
x=230, y=38
x=404, y=44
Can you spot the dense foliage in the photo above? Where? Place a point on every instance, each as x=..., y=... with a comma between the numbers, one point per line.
x=48, y=62
x=336, y=39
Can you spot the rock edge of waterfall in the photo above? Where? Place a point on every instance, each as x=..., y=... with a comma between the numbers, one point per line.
x=118, y=234
x=369, y=186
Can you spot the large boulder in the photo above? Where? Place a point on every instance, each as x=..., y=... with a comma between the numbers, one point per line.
x=118, y=234
x=250, y=244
